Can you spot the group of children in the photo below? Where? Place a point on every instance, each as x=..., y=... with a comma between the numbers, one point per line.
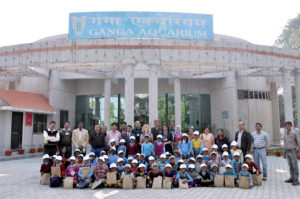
x=182, y=166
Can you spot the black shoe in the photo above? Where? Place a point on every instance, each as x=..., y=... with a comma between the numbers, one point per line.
x=288, y=181
x=295, y=183
x=264, y=178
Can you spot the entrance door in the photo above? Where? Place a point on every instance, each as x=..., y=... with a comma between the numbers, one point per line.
x=16, y=130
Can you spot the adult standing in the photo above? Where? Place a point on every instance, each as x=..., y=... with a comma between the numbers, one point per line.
x=291, y=142
x=123, y=128
x=114, y=133
x=65, y=141
x=208, y=139
x=220, y=140
x=177, y=136
x=156, y=130
x=167, y=139
x=146, y=131
x=80, y=138
x=243, y=139
x=191, y=133
x=97, y=141
x=51, y=138
x=261, y=141
x=128, y=134
x=137, y=132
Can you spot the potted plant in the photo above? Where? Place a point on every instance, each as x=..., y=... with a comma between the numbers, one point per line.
x=40, y=149
x=8, y=152
x=21, y=151
x=277, y=153
x=32, y=150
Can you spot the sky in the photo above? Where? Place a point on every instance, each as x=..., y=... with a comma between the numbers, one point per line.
x=257, y=21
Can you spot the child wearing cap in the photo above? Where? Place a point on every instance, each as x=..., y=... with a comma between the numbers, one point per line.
x=185, y=147
x=205, y=155
x=225, y=159
x=214, y=171
x=226, y=149
x=120, y=154
x=132, y=147
x=127, y=173
x=230, y=172
x=72, y=170
x=148, y=166
x=235, y=149
x=76, y=153
x=197, y=144
x=92, y=161
x=236, y=163
x=142, y=159
x=113, y=157
x=183, y=174
x=101, y=170
x=57, y=181
x=252, y=167
x=214, y=148
x=192, y=161
x=79, y=161
x=134, y=166
x=158, y=147
x=113, y=168
x=162, y=163
x=244, y=172
x=122, y=147
x=172, y=163
x=46, y=165
x=193, y=173
x=180, y=162
x=84, y=181
x=177, y=156
x=213, y=160
x=169, y=172
x=120, y=166
x=142, y=173
x=147, y=147
x=112, y=144
x=205, y=180
x=154, y=172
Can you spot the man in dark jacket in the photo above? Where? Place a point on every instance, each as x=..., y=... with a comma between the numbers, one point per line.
x=65, y=139
x=243, y=139
x=97, y=140
x=156, y=130
x=126, y=136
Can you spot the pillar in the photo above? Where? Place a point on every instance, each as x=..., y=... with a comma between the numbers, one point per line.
x=297, y=86
x=153, y=96
x=129, y=95
x=287, y=95
x=107, y=94
x=177, y=99
x=275, y=137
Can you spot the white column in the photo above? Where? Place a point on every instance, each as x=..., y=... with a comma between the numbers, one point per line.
x=297, y=86
x=275, y=136
x=177, y=99
x=107, y=94
x=129, y=95
x=153, y=96
x=287, y=95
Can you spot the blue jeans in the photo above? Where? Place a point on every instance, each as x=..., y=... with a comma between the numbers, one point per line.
x=97, y=151
x=84, y=183
x=260, y=154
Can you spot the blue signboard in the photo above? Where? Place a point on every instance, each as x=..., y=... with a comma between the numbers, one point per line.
x=140, y=25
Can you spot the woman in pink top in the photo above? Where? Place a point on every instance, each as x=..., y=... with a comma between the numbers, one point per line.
x=177, y=135
x=207, y=139
x=114, y=133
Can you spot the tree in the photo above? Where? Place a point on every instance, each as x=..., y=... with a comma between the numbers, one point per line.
x=290, y=36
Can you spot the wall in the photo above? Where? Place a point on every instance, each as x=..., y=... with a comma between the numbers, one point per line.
x=5, y=133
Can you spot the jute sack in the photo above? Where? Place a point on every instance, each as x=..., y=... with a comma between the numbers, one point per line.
x=244, y=182
x=257, y=179
x=85, y=171
x=127, y=183
x=167, y=183
x=96, y=184
x=68, y=183
x=157, y=182
x=140, y=182
x=111, y=177
x=219, y=181
x=183, y=185
x=55, y=172
x=229, y=181
x=45, y=179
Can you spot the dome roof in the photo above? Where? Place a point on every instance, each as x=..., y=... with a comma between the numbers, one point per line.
x=217, y=37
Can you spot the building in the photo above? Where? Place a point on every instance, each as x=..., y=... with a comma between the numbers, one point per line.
x=220, y=81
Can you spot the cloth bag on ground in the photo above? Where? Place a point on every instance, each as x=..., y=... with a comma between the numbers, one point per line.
x=55, y=172
x=45, y=179
x=111, y=177
x=219, y=181
x=127, y=183
x=68, y=183
x=96, y=184
x=183, y=185
x=229, y=181
x=257, y=179
x=244, y=182
x=140, y=182
x=157, y=182
x=167, y=183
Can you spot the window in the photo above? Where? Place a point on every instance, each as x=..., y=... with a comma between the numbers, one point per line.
x=64, y=117
x=251, y=95
x=255, y=94
x=264, y=95
x=260, y=95
x=39, y=123
x=243, y=94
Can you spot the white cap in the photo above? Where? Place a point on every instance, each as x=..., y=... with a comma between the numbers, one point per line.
x=92, y=153
x=137, y=154
x=105, y=157
x=128, y=165
x=76, y=150
x=213, y=153
x=112, y=140
x=120, y=152
x=196, y=133
x=180, y=161
x=151, y=158
x=112, y=165
x=168, y=165
x=72, y=158
x=103, y=152
x=159, y=136
x=191, y=166
x=132, y=137
x=130, y=158
x=134, y=161
x=236, y=154
x=46, y=156
x=183, y=166
x=142, y=154
x=214, y=165
x=228, y=166
x=141, y=165
x=163, y=156
x=172, y=156
x=154, y=164
x=205, y=149
x=102, y=159
x=58, y=158
x=199, y=156
x=120, y=160
x=224, y=146
x=86, y=158
x=193, y=159
x=245, y=165
x=225, y=153
x=203, y=165
x=80, y=155
x=214, y=146
x=113, y=148
x=168, y=153
x=248, y=156
x=54, y=156
x=122, y=141
x=184, y=135
x=233, y=143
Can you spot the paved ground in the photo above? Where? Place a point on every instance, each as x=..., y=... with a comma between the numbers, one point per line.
x=20, y=179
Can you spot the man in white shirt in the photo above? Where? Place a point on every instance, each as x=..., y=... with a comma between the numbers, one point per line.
x=80, y=138
x=51, y=138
